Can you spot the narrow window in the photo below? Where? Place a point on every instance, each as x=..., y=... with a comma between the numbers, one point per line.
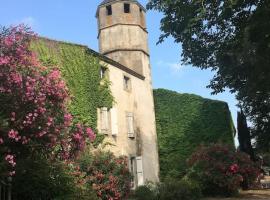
x=127, y=84
x=133, y=173
x=114, y=121
x=130, y=125
x=103, y=71
x=104, y=120
x=126, y=7
x=139, y=169
x=109, y=10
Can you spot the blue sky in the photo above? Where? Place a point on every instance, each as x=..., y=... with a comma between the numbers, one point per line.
x=74, y=21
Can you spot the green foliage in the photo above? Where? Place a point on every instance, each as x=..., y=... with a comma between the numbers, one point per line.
x=182, y=190
x=231, y=38
x=144, y=193
x=81, y=71
x=38, y=178
x=170, y=189
x=183, y=122
x=244, y=137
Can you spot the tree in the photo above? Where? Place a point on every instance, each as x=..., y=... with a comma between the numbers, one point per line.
x=231, y=38
x=244, y=135
x=33, y=106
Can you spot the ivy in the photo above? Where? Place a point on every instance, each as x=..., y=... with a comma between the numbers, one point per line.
x=184, y=121
x=81, y=71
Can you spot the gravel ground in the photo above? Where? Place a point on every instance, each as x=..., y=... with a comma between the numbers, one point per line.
x=248, y=195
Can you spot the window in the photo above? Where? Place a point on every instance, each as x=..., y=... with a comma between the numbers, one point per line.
x=139, y=169
x=132, y=166
x=127, y=84
x=130, y=125
x=109, y=10
x=103, y=71
x=126, y=7
x=104, y=120
x=136, y=170
x=114, y=121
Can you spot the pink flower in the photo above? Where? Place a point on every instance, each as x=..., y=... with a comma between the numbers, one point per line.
x=67, y=119
x=11, y=160
x=1, y=141
x=14, y=135
x=234, y=168
x=91, y=135
x=12, y=173
x=77, y=137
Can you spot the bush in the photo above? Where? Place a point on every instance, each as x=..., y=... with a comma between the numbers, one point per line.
x=144, y=193
x=169, y=190
x=220, y=170
x=182, y=190
x=42, y=179
x=108, y=175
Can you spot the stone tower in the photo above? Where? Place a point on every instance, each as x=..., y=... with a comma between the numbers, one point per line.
x=130, y=125
x=122, y=33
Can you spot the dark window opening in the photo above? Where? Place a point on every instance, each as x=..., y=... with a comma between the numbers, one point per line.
x=103, y=72
x=127, y=85
x=140, y=9
x=109, y=10
x=127, y=8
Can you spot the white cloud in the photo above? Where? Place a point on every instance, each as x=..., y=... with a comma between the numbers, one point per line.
x=29, y=21
x=174, y=67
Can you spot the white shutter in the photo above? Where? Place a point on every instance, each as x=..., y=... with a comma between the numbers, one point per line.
x=104, y=120
x=139, y=169
x=114, y=121
x=130, y=124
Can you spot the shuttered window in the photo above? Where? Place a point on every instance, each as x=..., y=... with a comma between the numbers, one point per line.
x=139, y=168
x=114, y=121
x=130, y=125
x=104, y=120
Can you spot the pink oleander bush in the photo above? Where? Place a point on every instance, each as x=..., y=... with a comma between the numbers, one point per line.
x=33, y=105
x=107, y=174
x=220, y=170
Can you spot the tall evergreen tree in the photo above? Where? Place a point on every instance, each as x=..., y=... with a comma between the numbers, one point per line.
x=244, y=137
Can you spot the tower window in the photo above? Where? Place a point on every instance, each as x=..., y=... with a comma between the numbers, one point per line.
x=109, y=10
x=126, y=7
x=127, y=84
x=103, y=72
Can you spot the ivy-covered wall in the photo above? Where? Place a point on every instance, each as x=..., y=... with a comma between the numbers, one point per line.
x=185, y=121
x=81, y=71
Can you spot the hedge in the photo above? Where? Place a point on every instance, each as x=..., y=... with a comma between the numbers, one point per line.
x=184, y=121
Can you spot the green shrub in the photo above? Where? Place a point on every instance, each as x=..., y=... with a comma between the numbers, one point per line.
x=179, y=190
x=184, y=121
x=144, y=193
x=221, y=171
x=38, y=178
x=170, y=189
